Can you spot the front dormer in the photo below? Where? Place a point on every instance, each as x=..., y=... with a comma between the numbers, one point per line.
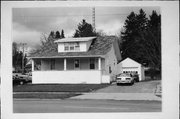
x=81, y=44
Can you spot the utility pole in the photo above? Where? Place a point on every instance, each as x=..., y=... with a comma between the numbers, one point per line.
x=93, y=19
x=23, y=45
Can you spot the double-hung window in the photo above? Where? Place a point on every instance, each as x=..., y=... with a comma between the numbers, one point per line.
x=76, y=64
x=71, y=46
x=66, y=47
x=92, y=63
x=77, y=47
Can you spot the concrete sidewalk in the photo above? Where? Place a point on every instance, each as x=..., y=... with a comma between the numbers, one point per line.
x=119, y=96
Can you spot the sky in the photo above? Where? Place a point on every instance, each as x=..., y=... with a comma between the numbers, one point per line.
x=30, y=23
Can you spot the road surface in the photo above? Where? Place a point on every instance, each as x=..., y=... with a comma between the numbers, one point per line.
x=69, y=105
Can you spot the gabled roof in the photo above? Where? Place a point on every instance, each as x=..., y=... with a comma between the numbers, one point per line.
x=64, y=40
x=99, y=47
x=131, y=60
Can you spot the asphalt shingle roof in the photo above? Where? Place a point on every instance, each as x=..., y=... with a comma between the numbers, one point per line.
x=99, y=47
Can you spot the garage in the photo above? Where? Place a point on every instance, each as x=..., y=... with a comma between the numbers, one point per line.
x=130, y=66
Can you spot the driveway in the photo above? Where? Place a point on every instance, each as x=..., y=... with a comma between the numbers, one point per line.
x=140, y=87
x=138, y=91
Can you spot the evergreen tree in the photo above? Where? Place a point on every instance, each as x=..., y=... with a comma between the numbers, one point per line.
x=155, y=21
x=62, y=33
x=131, y=44
x=142, y=20
x=84, y=30
x=153, y=40
x=141, y=39
x=57, y=35
x=52, y=35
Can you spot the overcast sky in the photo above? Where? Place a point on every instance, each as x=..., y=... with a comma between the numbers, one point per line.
x=30, y=23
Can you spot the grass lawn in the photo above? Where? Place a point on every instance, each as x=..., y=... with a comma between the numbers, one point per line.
x=44, y=95
x=58, y=87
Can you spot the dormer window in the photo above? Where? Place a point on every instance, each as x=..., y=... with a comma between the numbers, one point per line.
x=81, y=44
x=71, y=46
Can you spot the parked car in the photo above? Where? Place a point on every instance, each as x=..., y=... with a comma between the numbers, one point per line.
x=124, y=78
x=20, y=79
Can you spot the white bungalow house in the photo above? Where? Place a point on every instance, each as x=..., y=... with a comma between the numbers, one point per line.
x=130, y=66
x=88, y=60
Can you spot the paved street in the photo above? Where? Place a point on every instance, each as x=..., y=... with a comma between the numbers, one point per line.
x=58, y=106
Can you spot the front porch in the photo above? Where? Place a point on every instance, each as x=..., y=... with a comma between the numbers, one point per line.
x=83, y=70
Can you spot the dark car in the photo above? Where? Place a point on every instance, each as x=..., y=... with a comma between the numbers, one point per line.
x=20, y=79
x=135, y=77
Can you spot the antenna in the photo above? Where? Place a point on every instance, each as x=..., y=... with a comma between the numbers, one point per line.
x=93, y=19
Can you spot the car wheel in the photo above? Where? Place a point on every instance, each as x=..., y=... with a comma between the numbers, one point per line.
x=137, y=80
x=21, y=83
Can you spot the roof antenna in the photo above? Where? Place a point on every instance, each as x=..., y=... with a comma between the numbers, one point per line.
x=93, y=19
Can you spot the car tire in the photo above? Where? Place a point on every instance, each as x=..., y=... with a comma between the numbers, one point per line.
x=21, y=82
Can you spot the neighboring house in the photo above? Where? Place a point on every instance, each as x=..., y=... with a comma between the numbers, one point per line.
x=77, y=60
x=130, y=66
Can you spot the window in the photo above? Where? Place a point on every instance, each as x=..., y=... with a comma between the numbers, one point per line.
x=71, y=46
x=66, y=48
x=76, y=64
x=77, y=48
x=37, y=65
x=52, y=64
x=92, y=63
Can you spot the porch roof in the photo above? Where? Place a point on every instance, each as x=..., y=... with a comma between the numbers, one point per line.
x=99, y=47
x=74, y=39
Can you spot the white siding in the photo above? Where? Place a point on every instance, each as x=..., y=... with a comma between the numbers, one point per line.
x=60, y=47
x=88, y=45
x=83, y=46
x=110, y=63
x=70, y=77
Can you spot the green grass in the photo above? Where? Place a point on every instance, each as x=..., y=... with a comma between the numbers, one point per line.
x=58, y=87
x=44, y=95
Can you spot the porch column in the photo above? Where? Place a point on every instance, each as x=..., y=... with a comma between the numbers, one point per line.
x=64, y=63
x=99, y=63
x=32, y=65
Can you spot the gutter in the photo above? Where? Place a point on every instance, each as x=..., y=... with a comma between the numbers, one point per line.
x=102, y=56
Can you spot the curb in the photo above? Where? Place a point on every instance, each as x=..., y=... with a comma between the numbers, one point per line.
x=49, y=92
x=32, y=99
x=38, y=99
